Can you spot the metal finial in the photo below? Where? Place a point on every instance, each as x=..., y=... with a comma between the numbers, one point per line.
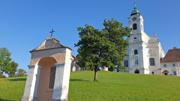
x=51, y=32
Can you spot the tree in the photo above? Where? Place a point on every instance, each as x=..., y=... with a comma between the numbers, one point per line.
x=5, y=60
x=116, y=33
x=6, y=64
x=105, y=47
x=21, y=72
x=13, y=69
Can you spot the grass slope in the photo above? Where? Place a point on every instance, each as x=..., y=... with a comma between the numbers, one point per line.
x=123, y=87
x=109, y=87
x=11, y=89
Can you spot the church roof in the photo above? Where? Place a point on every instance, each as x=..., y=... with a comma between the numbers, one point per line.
x=135, y=11
x=173, y=55
x=49, y=43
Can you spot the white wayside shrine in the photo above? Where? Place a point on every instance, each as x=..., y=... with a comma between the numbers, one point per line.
x=49, y=72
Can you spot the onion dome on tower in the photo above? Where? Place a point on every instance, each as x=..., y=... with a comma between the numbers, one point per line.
x=135, y=11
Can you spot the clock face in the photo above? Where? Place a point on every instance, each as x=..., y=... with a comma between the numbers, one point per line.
x=134, y=18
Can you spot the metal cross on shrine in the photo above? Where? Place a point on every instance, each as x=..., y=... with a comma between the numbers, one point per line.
x=51, y=32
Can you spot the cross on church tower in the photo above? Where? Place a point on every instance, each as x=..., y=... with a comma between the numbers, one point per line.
x=51, y=32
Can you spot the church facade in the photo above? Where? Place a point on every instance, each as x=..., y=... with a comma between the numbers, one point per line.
x=144, y=53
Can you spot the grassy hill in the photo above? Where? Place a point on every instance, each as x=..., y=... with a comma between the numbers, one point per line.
x=109, y=87
x=11, y=89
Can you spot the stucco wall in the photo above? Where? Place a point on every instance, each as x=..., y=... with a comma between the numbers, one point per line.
x=170, y=68
x=59, y=54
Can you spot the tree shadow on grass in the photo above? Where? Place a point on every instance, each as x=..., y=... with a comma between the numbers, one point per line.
x=74, y=80
x=6, y=100
x=17, y=79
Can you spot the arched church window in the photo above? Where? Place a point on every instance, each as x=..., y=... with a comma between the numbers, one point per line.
x=152, y=61
x=135, y=52
x=134, y=26
x=126, y=63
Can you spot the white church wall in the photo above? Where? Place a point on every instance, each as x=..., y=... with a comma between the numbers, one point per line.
x=161, y=51
x=154, y=53
x=144, y=37
x=145, y=56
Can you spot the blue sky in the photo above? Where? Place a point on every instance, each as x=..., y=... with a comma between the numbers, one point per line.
x=24, y=24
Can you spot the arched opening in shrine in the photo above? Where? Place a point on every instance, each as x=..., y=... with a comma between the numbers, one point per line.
x=47, y=73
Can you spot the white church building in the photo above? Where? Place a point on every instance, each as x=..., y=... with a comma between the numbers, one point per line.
x=144, y=53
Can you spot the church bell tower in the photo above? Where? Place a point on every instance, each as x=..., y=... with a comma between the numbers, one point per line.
x=137, y=49
x=136, y=21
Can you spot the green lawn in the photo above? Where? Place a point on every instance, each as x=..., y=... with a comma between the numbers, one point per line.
x=11, y=89
x=109, y=87
x=123, y=87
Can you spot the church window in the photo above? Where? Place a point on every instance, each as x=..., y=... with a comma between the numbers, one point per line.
x=134, y=18
x=136, y=62
x=134, y=26
x=174, y=73
x=135, y=38
x=126, y=63
x=135, y=52
x=152, y=61
x=52, y=77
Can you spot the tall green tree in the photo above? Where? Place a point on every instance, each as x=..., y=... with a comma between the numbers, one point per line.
x=105, y=47
x=116, y=33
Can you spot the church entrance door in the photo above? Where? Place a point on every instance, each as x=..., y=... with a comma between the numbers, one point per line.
x=165, y=72
x=136, y=71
